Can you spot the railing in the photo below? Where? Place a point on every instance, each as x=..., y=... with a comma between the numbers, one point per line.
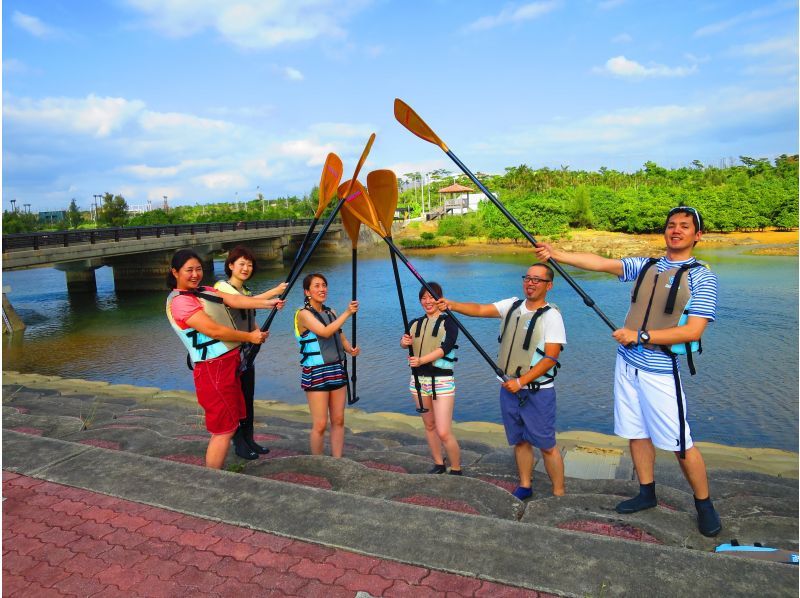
x=65, y=238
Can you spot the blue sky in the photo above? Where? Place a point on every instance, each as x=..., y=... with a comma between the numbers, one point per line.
x=211, y=100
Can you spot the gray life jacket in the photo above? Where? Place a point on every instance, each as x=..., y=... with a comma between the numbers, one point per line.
x=244, y=319
x=428, y=337
x=315, y=350
x=522, y=343
x=200, y=346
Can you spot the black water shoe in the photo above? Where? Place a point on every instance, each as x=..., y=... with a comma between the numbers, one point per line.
x=241, y=448
x=707, y=517
x=438, y=468
x=646, y=499
x=455, y=471
x=254, y=446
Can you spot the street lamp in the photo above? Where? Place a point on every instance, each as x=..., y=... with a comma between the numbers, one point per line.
x=96, y=197
x=13, y=205
x=27, y=207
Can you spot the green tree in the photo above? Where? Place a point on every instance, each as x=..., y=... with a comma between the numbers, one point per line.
x=580, y=213
x=74, y=217
x=113, y=211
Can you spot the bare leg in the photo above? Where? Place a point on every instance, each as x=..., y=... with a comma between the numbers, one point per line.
x=443, y=408
x=554, y=465
x=318, y=406
x=523, y=453
x=643, y=454
x=336, y=403
x=429, y=419
x=694, y=469
x=217, y=450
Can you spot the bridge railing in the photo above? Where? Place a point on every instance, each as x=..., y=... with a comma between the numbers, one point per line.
x=65, y=238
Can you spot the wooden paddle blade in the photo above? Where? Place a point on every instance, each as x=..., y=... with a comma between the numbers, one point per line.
x=332, y=172
x=411, y=121
x=359, y=205
x=382, y=189
x=351, y=224
x=361, y=161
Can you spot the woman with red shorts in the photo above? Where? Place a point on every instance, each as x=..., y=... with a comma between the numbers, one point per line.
x=199, y=318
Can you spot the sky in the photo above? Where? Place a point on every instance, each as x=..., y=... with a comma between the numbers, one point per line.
x=218, y=100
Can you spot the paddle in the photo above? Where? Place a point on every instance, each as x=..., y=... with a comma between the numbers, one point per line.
x=250, y=351
x=366, y=214
x=353, y=226
x=411, y=121
x=382, y=188
x=328, y=185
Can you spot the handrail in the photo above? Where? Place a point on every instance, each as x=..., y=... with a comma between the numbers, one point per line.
x=65, y=238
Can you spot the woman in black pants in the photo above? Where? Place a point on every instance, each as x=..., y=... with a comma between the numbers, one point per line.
x=240, y=266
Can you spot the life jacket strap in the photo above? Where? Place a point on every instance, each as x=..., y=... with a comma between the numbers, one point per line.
x=681, y=416
x=513, y=308
x=526, y=345
x=650, y=262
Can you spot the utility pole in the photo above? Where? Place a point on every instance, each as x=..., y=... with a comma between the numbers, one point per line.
x=96, y=197
x=166, y=204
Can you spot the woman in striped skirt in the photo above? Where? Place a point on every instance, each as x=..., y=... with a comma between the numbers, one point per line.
x=323, y=346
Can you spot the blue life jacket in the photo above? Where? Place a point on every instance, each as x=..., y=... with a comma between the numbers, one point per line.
x=200, y=346
x=315, y=350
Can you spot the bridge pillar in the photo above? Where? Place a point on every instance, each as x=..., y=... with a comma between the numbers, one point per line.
x=148, y=271
x=11, y=321
x=269, y=252
x=81, y=281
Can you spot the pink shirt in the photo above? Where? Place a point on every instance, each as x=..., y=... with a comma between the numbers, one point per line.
x=184, y=307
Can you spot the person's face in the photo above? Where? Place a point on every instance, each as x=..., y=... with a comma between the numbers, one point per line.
x=536, y=283
x=428, y=303
x=317, y=290
x=242, y=268
x=681, y=233
x=190, y=274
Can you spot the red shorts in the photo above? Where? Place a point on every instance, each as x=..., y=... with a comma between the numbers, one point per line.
x=219, y=392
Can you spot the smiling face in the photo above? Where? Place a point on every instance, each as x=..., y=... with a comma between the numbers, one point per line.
x=536, y=283
x=317, y=290
x=681, y=234
x=241, y=269
x=428, y=304
x=190, y=274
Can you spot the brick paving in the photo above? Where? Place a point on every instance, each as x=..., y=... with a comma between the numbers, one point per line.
x=63, y=541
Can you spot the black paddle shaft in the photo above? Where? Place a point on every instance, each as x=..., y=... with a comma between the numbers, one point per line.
x=354, y=397
x=395, y=251
x=250, y=351
x=404, y=314
x=556, y=266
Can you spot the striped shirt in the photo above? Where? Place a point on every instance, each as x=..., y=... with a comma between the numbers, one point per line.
x=703, y=289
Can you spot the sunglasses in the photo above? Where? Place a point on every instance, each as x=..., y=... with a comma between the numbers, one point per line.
x=698, y=219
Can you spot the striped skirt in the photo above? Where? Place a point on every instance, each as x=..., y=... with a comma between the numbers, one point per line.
x=329, y=376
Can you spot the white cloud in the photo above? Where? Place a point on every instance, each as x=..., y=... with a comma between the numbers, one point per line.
x=341, y=130
x=785, y=46
x=250, y=24
x=33, y=25
x=292, y=74
x=609, y=4
x=620, y=66
x=622, y=38
x=12, y=65
x=745, y=17
x=512, y=15
x=311, y=151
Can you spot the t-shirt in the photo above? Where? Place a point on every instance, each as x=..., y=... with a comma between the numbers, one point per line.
x=184, y=307
x=552, y=321
x=703, y=288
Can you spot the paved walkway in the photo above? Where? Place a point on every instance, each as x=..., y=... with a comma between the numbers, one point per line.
x=63, y=541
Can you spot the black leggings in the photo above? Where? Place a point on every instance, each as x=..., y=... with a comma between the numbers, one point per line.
x=248, y=381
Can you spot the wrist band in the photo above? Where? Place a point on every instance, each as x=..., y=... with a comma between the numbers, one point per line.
x=638, y=337
x=519, y=383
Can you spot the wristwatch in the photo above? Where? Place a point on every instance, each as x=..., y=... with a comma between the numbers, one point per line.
x=644, y=336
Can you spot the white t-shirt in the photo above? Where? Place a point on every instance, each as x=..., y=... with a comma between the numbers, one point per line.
x=554, y=331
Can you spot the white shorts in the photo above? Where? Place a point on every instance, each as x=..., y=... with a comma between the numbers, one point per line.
x=645, y=406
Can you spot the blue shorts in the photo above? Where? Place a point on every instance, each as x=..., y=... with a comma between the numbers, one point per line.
x=534, y=422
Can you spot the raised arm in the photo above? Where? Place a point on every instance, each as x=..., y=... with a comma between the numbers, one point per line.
x=254, y=302
x=309, y=322
x=476, y=310
x=584, y=261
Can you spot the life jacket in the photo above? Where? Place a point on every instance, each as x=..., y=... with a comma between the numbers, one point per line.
x=760, y=552
x=313, y=349
x=428, y=337
x=522, y=345
x=665, y=304
x=244, y=319
x=200, y=346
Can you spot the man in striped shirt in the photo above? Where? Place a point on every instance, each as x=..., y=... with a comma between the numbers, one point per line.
x=649, y=403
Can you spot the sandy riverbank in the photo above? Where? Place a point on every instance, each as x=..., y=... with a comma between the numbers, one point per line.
x=615, y=245
x=762, y=460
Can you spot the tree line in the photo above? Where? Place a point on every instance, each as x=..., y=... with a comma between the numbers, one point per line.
x=753, y=194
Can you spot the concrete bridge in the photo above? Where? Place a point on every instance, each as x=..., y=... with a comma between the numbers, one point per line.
x=140, y=256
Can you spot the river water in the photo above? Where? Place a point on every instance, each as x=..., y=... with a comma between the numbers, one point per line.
x=745, y=393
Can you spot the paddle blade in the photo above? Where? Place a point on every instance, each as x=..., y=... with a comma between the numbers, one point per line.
x=411, y=121
x=382, y=189
x=329, y=181
x=359, y=205
x=351, y=224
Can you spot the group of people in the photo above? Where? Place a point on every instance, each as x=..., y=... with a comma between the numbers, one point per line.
x=672, y=301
